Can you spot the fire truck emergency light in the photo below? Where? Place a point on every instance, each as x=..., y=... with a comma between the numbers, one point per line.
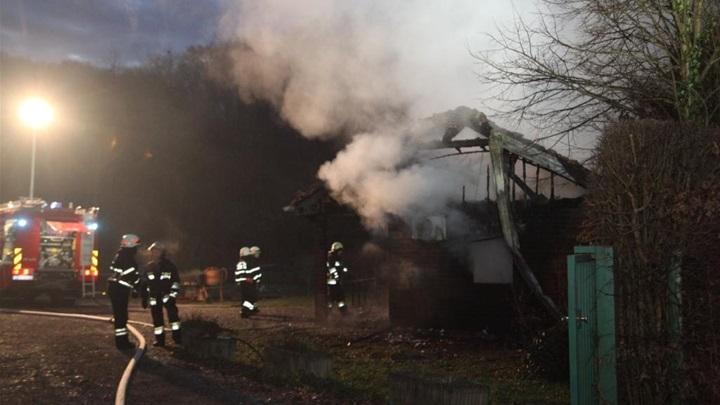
x=93, y=226
x=22, y=222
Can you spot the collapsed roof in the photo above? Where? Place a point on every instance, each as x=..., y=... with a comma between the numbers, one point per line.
x=453, y=122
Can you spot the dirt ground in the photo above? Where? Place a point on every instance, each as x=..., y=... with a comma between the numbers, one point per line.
x=363, y=346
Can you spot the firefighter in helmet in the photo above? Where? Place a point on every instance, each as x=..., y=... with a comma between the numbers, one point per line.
x=335, y=273
x=241, y=268
x=124, y=279
x=163, y=287
x=248, y=275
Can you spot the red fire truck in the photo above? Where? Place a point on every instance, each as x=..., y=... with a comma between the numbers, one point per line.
x=47, y=249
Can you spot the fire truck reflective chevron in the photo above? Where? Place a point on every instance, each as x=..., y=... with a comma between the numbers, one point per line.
x=94, y=260
x=17, y=259
x=94, y=263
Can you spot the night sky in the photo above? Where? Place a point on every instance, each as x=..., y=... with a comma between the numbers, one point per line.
x=105, y=32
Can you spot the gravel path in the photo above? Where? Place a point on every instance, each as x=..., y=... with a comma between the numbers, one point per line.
x=57, y=361
x=45, y=360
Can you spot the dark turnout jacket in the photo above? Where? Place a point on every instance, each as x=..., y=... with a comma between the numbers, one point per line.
x=336, y=269
x=248, y=270
x=125, y=270
x=162, y=279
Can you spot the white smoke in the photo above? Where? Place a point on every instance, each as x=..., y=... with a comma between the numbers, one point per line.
x=384, y=173
x=367, y=71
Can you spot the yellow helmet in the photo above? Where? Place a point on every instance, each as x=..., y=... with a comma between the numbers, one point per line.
x=336, y=246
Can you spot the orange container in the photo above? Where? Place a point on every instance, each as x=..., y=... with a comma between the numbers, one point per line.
x=213, y=276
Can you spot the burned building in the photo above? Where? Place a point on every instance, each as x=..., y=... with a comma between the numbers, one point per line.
x=461, y=267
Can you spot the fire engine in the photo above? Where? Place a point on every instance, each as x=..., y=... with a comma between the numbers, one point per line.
x=47, y=249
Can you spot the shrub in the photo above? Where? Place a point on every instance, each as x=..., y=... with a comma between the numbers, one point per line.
x=655, y=200
x=547, y=354
x=197, y=325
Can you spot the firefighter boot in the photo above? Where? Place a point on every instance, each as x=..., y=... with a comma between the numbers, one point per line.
x=177, y=336
x=123, y=343
x=159, y=340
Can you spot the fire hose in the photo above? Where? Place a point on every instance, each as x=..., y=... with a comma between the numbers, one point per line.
x=120, y=393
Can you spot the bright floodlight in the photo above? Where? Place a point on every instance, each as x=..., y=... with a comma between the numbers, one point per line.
x=36, y=113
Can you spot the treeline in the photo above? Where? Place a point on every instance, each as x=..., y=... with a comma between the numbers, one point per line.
x=166, y=149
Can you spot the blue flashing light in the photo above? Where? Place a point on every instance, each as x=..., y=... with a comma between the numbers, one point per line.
x=22, y=222
x=93, y=226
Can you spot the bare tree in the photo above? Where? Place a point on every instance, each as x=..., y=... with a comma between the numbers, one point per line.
x=584, y=62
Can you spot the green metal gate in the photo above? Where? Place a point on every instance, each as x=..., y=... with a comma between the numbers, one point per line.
x=591, y=326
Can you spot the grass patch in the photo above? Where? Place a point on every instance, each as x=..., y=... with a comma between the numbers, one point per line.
x=367, y=369
x=364, y=355
x=361, y=372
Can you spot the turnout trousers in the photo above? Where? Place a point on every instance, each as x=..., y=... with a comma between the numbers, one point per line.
x=156, y=310
x=336, y=295
x=249, y=294
x=119, y=298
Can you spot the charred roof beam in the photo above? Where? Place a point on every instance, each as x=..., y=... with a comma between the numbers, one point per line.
x=526, y=189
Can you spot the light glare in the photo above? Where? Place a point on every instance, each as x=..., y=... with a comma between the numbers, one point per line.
x=36, y=113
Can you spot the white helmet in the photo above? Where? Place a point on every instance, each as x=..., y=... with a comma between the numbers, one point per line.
x=244, y=251
x=130, y=240
x=336, y=246
x=255, y=251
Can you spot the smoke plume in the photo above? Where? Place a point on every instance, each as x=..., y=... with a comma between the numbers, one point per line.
x=367, y=71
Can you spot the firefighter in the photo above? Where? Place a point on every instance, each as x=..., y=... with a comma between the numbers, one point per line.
x=124, y=279
x=248, y=275
x=163, y=287
x=241, y=268
x=335, y=273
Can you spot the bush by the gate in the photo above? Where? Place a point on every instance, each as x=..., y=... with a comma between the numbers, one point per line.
x=655, y=199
